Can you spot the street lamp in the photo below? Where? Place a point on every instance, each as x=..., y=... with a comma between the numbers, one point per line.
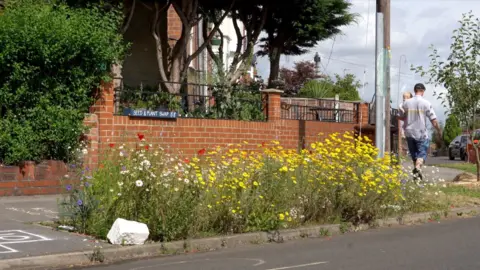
x=317, y=60
x=399, y=74
x=400, y=130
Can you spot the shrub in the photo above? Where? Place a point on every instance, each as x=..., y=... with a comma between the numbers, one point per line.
x=52, y=57
x=234, y=190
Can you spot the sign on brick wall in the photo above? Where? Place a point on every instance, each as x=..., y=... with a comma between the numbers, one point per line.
x=149, y=113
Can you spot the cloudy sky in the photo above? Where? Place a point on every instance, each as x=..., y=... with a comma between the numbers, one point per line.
x=415, y=25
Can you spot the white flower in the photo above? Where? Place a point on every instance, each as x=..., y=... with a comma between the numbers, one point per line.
x=119, y=194
x=120, y=147
x=120, y=184
x=111, y=190
x=186, y=181
x=176, y=189
x=139, y=183
x=121, y=153
x=147, y=190
x=145, y=163
x=155, y=153
x=84, y=151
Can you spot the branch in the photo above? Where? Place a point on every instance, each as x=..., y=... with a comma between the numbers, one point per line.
x=212, y=54
x=210, y=36
x=251, y=38
x=130, y=16
x=180, y=13
x=159, y=51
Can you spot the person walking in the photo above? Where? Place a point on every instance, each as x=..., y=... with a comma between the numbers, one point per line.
x=415, y=113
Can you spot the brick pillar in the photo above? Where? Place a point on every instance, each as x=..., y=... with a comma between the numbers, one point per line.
x=274, y=111
x=104, y=109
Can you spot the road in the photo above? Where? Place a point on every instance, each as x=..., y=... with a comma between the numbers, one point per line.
x=441, y=160
x=448, y=245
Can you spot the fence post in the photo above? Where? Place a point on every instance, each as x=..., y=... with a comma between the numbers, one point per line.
x=274, y=110
x=337, y=106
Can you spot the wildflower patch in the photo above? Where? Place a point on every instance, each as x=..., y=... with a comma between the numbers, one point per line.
x=231, y=189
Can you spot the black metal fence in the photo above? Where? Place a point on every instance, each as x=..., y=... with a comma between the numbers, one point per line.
x=319, y=113
x=195, y=101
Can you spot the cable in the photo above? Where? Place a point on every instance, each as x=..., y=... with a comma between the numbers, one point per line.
x=331, y=51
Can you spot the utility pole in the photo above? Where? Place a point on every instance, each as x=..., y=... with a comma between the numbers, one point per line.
x=382, y=77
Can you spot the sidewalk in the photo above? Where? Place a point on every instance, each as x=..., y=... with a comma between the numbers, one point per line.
x=20, y=238
x=434, y=173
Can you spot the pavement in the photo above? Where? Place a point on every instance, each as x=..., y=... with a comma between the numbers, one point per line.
x=451, y=244
x=434, y=173
x=20, y=238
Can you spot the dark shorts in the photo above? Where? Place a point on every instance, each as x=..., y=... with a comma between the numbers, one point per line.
x=418, y=148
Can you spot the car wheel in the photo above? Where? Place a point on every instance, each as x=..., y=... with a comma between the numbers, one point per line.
x=450, y=155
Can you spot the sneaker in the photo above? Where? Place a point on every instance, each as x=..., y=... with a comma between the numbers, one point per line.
x=417, y=175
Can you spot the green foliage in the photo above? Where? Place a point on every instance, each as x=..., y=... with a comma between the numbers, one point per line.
x=294, y=26
x=346, y=87
x=52, y=58
x=317, y=89
x=452, y=129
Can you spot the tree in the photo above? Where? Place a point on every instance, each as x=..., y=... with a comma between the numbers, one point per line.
x=452, y=129
x=52, y=59
x=296, y=25
x=459, y=74
x=296, y=78
x=252, y=15
x=347, y=87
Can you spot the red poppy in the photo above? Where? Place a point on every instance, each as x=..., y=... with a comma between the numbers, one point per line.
x=475, y=141
x=187, y=160
x=147, y=147
x=101, y=166
x=263, y=144
x=111, y=145
x=140, y=136
x=202, y=152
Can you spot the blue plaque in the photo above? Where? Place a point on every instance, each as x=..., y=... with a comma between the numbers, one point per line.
x=149, y=113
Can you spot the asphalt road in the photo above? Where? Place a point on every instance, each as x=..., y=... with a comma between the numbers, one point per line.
x=442, y=160
x=448, y=245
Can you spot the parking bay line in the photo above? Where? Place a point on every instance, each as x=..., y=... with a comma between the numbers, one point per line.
x=297, y=266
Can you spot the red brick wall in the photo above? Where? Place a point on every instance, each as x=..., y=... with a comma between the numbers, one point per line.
x=190, y=135
x=185, y=135
x=32, y=179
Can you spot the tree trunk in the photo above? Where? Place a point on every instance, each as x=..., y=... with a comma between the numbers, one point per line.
x=274, y=56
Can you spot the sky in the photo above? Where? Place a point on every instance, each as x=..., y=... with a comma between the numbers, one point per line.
x=415, y=25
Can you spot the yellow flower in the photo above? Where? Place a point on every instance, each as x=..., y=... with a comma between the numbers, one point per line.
x=281, y=216
x=255, y=183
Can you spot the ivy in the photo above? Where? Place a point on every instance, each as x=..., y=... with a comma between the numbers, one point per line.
x=52, y=59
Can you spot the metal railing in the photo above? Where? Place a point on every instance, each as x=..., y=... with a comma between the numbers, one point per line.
x=194, y=101
x=319, y=113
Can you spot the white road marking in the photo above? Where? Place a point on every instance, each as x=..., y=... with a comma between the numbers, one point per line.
x=18, y=237
x=259, y=262
x=297, y=266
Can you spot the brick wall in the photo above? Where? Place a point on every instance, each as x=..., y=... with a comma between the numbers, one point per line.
x=185, y=135
x=190, y=135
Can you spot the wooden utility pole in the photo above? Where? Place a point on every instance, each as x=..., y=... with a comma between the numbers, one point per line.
x=383, y=6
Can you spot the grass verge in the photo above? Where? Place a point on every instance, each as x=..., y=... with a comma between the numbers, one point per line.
x=466, y=167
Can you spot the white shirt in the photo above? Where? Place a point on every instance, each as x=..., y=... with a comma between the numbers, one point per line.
x=416, y=112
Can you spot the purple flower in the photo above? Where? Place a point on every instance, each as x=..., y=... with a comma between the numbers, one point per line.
x=69, y=187
x=87, y=184
x=124, y=168
x=79, y=202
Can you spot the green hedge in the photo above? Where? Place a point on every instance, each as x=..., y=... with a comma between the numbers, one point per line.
x=52, y=58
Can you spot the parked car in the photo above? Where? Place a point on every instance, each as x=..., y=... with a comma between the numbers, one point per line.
x=458, y=147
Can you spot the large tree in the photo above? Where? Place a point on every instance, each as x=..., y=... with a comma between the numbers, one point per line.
x=459, y=73
x=297, y=25
x=452, y=129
